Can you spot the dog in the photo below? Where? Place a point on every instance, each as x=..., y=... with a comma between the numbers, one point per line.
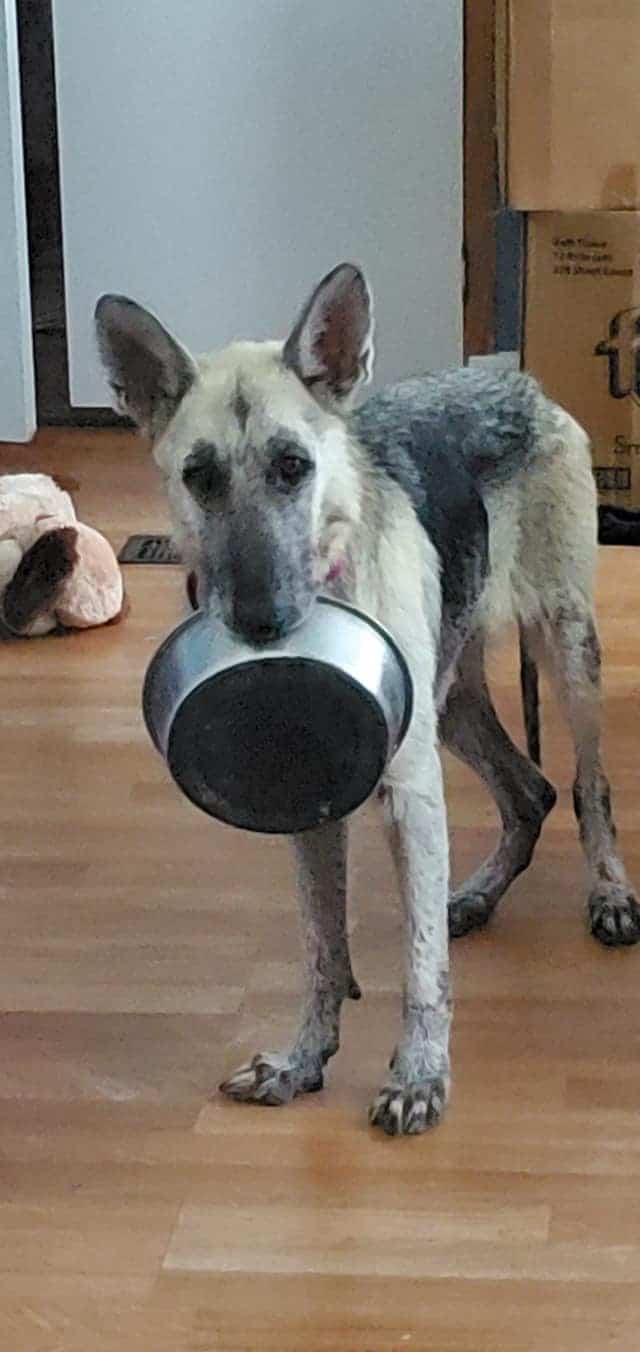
x=446, y=507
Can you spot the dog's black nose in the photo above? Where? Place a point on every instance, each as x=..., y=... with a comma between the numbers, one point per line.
x=261, y=626
x=264, y=633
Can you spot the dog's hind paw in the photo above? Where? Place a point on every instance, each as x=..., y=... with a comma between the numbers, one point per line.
x=272, y=1080
x=410, y=1110
x=468, y=911
x=614, y=915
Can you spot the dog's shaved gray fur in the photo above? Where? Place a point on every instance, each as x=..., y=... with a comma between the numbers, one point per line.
x=445, y=507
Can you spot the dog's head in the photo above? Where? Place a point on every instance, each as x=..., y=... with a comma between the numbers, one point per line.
x=254, y=452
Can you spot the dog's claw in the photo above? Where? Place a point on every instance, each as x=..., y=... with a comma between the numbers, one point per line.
x=409, y=1111
x=272, y=1081
x=468, y=912
x=614, y=916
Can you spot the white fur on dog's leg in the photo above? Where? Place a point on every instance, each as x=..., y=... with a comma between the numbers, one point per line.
x=273, y=1078
x=415, y=1097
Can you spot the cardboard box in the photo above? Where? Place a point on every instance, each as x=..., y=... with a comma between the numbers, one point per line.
x=568, y=103
x=582, y=334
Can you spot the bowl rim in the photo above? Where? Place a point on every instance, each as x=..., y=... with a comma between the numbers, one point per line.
x=267, y=654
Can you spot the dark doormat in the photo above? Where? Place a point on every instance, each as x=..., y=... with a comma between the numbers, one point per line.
x=618, y=526
x=149, y=549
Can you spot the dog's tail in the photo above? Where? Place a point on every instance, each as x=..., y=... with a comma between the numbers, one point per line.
x=530, y=698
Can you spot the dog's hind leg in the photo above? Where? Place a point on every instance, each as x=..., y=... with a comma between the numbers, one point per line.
x=275, y=1078
x=574, y=650
x=470, y=728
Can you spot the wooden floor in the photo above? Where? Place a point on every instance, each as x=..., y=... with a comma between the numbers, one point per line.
x=144, y=951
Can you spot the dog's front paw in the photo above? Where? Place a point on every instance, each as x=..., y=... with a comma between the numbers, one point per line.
x=614, y=915
x=468, y=911
x=409, y=1110
x=272, y=1080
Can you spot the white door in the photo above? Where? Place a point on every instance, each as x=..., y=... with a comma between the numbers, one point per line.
x=218, y=156
x=17, y=395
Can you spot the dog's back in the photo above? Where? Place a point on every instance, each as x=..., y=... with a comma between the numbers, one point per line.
x=464, y=437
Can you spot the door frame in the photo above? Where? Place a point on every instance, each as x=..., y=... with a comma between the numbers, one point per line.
x=480, y=192
x=17, y=384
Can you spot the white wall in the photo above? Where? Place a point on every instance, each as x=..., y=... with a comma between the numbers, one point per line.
x=17, y=398
x=218, y=156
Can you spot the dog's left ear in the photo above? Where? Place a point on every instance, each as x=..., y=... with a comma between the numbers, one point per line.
x=331, y=346
x=148, y=370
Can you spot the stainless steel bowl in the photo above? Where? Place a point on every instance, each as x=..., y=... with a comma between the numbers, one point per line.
x=282, y=738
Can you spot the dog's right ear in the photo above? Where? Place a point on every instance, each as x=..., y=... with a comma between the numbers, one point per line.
x=331, y=346
x=149, y=372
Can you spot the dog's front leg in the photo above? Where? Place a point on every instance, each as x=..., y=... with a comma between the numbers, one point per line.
x=415, y=1095
x=275, y=1078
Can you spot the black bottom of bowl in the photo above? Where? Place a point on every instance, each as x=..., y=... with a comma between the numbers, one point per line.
x=278, y=746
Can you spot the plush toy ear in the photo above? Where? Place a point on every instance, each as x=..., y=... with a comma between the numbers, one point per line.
x=39, y=578
x=331, y=346
x=149, y=372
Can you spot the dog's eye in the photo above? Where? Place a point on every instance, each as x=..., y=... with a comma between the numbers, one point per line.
x=204, y=477
x=290, y=469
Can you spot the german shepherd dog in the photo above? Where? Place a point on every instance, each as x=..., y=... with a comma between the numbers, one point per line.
x=445, y=506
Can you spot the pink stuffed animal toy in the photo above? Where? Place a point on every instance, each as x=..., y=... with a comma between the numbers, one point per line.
x=54, y=571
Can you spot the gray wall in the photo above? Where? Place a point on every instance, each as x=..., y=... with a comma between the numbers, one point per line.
x=218, y=156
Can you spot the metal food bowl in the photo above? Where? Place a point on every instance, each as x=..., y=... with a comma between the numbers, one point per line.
x=279, y=739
